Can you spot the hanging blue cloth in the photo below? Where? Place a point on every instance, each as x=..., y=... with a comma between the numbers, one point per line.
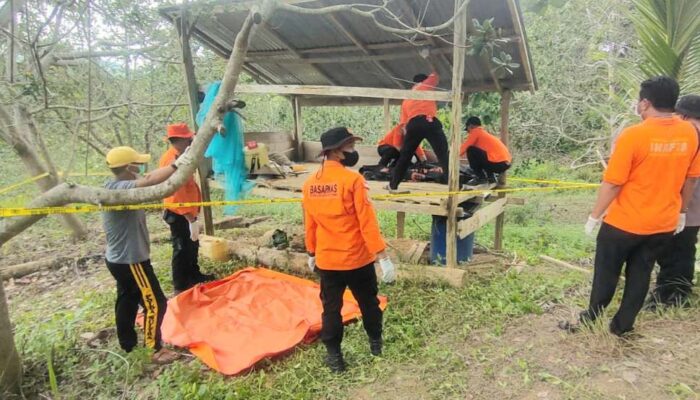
x=226, y=152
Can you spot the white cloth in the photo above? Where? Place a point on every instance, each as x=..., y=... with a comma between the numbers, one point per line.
x=388, y=270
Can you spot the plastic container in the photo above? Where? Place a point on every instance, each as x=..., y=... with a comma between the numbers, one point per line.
x=214, y=248
x=438, y=243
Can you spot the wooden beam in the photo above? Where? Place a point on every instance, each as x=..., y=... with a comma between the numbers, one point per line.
x=298, y=130
x=386, y=56
x=298, y=55
x=506, y=97
x=387, y=116
x=344, y=91
x=341, y=49
x=408, y=9
x=343, y=102
x=350, y=35
x=400, y=224
x=524, y=51
x=184, y=32
x=482, y=217
x=459, y=50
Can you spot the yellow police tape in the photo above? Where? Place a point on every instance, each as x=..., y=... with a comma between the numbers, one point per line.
x=88, y=208
x=45, y=174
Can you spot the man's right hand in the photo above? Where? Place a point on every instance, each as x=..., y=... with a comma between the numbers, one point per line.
x=311, y=262
x=184, y=159
x=591, y=224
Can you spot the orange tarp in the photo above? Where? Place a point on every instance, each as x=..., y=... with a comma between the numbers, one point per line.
x=256, y=313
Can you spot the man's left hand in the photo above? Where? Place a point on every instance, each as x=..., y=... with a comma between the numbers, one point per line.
x=681, y=224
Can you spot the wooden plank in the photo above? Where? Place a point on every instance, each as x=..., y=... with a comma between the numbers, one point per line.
x=344, y=91
x=564, y=264
x=524, y=51
x=271, y=31
x=403, y=44
x=334, y=59
x=400, y=224
x=387, y=116
x=459, y=52
x=298, y=130
x=183, y=28
x=480, y=218
x=506, y=97
x=350, y=35
x=343, y=102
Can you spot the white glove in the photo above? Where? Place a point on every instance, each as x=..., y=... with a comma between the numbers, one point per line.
x=184, y=159
x=681, y=224
x=388, y=271
x=195, y=228
x=591, y=224
x=311, y=262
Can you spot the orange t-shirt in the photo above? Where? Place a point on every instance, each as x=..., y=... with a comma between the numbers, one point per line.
x=187, y=193
x=414, y=108
x=341, y=226
x=395, y=138
x=651, y=161
x=494, y=148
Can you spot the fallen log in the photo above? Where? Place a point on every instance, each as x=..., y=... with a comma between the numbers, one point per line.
x=223, y=224
x=297, y=263
x=565, y=264
x=53, y=263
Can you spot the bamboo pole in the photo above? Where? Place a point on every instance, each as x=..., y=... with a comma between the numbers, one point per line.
x=459, y=40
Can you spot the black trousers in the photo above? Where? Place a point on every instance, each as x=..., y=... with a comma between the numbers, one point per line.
x=480, y=164
x=388, y=154
x=615, y=247
x=363, y=285
x=138, y=284
x=677, y=266
x=185, y=261
x=417, y=129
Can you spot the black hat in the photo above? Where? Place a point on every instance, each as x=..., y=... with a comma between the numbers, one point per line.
x=689, y=106
x=335, y=138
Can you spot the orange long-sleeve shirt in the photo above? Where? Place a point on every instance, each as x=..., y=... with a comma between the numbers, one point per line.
x=494, y=148
x=187, y=193
x=395, y=138
x=414, y=108
x=340, y=223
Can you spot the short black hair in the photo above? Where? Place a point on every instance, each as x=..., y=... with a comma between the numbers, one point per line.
x=661, y=91
x=418, y=78
x=473, y=121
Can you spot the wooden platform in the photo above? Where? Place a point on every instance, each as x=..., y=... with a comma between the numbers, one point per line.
x=433, y=205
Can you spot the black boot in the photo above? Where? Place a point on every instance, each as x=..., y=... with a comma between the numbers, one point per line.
x=492, y=177
x=375, y=346
x=334, y=361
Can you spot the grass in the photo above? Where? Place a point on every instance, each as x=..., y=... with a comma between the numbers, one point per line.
x=441, y=342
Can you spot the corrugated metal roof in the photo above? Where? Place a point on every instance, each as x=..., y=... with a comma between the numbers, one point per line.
x=346, y=49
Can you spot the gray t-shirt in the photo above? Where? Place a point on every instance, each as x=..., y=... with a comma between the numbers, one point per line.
x=126, y=231
x=693, y=215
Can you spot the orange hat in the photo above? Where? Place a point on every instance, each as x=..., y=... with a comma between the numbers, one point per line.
x=179, y=130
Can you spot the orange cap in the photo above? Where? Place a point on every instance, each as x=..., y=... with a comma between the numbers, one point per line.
x=179, y=130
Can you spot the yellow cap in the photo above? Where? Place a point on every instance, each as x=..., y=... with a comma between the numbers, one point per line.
x=124, y=155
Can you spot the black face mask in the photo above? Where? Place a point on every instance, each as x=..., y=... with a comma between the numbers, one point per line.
x=351, y=158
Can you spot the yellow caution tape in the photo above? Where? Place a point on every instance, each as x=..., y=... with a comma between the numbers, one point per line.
x=88, y=208
x=24, y=182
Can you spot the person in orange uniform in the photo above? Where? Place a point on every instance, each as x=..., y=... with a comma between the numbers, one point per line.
x=646, y=189
x=389, y=148
x=344, y=241
x=419, y=117
x=486, y=153
x=184, y=226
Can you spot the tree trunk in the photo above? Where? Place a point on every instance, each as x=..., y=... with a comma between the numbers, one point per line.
x=29, y=156
x=10, y=366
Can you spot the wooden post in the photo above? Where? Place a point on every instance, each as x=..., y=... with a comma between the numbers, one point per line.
x=400, y=215
x=506, y=96
x=183, y=29
x=298, y=140
x=459, y=40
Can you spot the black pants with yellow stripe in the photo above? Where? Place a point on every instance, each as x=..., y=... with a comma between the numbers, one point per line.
x=138, y=284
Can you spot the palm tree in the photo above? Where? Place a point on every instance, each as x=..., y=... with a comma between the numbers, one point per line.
x=669, y=38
